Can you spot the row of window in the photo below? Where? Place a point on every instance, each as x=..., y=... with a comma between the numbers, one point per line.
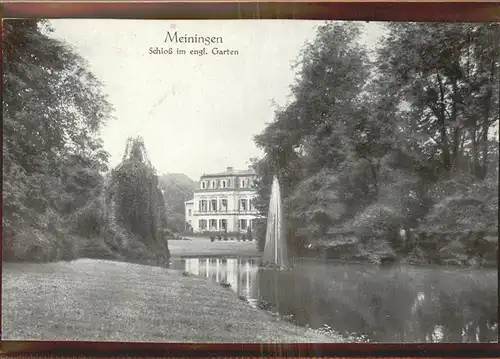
x=213, y=205
x=214, y=225
x=225, y=183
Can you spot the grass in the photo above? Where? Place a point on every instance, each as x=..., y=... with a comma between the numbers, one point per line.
x=98, y=300
x=202, y=246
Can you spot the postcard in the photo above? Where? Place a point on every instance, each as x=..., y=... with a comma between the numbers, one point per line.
x=250, y=181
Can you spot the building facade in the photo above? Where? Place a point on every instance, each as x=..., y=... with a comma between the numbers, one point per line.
x=223, y=202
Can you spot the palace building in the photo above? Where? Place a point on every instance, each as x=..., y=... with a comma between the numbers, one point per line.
x=223, y=201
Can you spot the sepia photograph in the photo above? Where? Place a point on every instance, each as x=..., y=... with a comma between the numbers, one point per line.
x=250, y=181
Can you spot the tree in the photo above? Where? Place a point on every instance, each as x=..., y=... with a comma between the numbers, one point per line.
x=177, y=188
x=316, y=203
x=444, y=78
x=448, y=74
x=53, y=109
x=140, y=207
x=313, y=132
x=361, y=154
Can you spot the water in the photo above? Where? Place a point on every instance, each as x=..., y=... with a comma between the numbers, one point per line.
x=275, y=251
x=396, y=304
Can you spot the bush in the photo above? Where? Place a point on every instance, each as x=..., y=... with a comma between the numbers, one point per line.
x=90, y=220
x=34, y=245
x=96, y=248
x=212, y=238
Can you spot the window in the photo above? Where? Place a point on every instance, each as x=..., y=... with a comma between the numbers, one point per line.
x=223, y=184
x=189, y=212
x=213, y=184
x=243, y=205
x=242, y=183
x=228, y=183
x=202, y=224
x=250, y=223
x=223, y=224
x=213, y=205
x=223, y=204
x=243, y=224
x=203, y=184
x=203, y=205
x=213, y=224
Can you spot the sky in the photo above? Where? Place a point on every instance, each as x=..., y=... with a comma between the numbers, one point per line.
x=197, y=114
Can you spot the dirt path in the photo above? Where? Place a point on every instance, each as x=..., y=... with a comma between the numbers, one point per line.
x=97, y=300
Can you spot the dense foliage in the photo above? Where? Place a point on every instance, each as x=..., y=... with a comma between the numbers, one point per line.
x=177, y=188
x=138, y=201
x=374, y=155
x=52, y=157
x=54, y=187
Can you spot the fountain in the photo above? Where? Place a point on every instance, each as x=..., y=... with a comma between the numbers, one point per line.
x=275, y=251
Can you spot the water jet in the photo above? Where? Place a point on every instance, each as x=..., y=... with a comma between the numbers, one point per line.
x=275, y=249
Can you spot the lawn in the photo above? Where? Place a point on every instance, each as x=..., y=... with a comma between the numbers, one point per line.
x=202, y=246
x=96, y=300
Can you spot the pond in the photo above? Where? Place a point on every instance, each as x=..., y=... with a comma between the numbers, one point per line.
x=398, y=304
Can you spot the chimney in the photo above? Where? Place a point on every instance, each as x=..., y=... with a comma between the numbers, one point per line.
x=229, y=169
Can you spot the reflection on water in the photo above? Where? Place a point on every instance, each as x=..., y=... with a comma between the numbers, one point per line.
x=396, y=304
x=240, y=273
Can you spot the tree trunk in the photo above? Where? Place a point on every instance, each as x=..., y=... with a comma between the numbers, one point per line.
x=456, y=130
x=375, y=168
x=442, y=127
x=475, y=151
x=486, y=121
x=409, y=240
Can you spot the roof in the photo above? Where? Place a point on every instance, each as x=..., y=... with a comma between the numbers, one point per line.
x=247, y=172
x=190, y=201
